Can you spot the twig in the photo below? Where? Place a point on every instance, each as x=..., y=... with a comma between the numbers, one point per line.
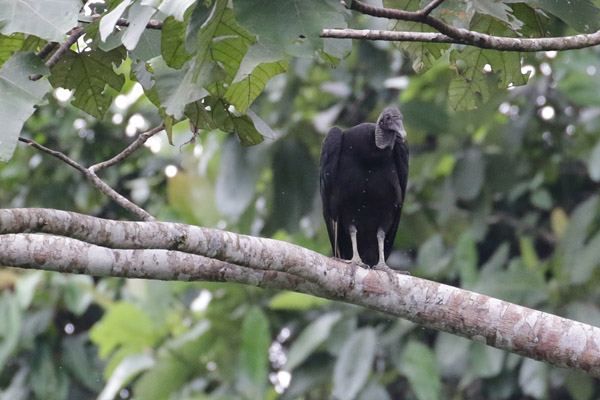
x=47, y=49
x=431, y=6
x=75, y=34
x=451, y=34
x=64, y=158
x=152, y=24
x=93, y=178
x=142, y=138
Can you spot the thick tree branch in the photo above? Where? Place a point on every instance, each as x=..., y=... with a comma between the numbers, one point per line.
x=450, y=34
x=178, y=251
x=91, y=176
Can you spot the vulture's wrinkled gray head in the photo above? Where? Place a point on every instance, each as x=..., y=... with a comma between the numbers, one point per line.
x=389, y=125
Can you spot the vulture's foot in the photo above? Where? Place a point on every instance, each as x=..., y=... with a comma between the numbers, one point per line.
x=391, y=273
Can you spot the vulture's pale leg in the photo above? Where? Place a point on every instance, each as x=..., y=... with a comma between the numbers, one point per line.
x=381, y=265
x=355, y=261
x=355, y=256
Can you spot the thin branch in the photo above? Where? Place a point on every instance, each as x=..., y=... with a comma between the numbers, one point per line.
x=456, y=35
x=142, y=138
x=93, y=178
x=152, y=24
x=47, y=49
x=62, y=157
x=393, y=36
x=431, y=6
x=75, y=34
x=162, y=250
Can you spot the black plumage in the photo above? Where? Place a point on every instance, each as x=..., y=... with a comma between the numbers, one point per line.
x=364, y=171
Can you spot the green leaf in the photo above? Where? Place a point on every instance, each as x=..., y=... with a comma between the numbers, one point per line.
x=176, y=88
x=10, y=326
x=579, y=385
x=239, y=170
x=419, y=366
x=587, y=261
x=528, y=253
x=127, y=369
x=594, y=163
x=374, y=391
x=242, y=94
x=173, y=43
x=125, y=327
x=500, y=11
x=452, y=352
x=486, y=361
x=78, y=293
x=423, y=54
x=9, y=45
x=109, y=21
x=79, y=357
x=465, y=260
x=353, y=365
x=295, y=301
x=243, y=126
x=175, y=8
x=88, y=74
x=468, y=174
x=517, y=284
x=48, y=19
x=139, y=15
x=47, y=380
x=541, y=198
x=470, y=64
x=295, y=177
x=254, y=354
x=581, y=15
x=432, y=256
x=26, y=287
x=204, y=40
x=576, y=234
x=19, y=96
x=310, y=338
x=533, y=378
x=295, y=33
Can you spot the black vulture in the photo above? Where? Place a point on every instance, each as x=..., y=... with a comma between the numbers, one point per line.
x=363, y=184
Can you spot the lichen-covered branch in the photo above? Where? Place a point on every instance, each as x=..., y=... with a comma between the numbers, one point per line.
x=451, y=34
x=157, y=250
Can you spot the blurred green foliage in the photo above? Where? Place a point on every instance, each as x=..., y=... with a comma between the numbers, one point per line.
x=502, y=200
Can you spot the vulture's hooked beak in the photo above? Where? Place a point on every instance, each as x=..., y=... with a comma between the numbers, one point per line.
x=399, y=128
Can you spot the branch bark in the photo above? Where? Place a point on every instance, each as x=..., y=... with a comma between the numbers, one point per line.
x=159, y=250
x=451, y=34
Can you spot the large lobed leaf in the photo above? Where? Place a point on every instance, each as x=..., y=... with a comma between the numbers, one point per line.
x=19, y=96
x=472, y=61
x=291, y=26
x=89, y=74
x=48, y=19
